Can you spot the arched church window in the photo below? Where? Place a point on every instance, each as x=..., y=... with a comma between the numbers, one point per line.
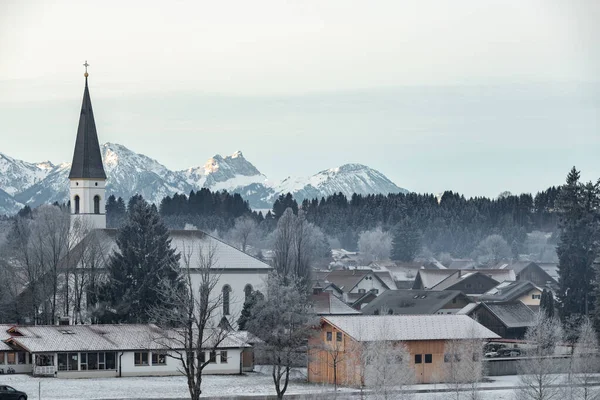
x=96, y=204
x=247, y=291
x=76, y=201
x=226, y=294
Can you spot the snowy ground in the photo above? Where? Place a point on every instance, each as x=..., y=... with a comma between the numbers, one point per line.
x=213, y=385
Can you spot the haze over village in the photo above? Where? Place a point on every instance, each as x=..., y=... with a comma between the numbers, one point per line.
x=308, y=200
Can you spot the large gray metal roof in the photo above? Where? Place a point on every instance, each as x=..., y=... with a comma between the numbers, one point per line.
x=87, y=158
x=369, y=328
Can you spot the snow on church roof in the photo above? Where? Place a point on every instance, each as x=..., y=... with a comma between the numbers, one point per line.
x=368, y=328
x=190, y=242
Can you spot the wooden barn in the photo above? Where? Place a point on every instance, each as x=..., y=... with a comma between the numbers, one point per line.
x=336, y=350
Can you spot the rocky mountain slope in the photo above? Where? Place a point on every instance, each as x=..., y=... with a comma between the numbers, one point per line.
x=130, y=173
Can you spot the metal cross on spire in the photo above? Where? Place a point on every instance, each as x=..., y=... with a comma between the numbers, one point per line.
x=86, y=65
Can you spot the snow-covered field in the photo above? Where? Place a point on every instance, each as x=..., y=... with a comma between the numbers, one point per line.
x=258, y=383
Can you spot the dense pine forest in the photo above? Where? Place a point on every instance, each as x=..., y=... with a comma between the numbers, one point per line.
x=449, y=223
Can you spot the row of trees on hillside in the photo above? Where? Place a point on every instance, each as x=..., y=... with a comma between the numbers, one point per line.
x=425, y=223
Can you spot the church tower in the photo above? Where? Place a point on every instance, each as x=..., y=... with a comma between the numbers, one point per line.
x=87, y=178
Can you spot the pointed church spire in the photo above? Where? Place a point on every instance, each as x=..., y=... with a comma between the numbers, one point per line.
x=87, y=158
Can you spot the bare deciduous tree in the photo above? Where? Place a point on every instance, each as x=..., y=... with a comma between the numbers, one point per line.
x=538, y=371
x=463, y=366
x=375, y=245
x=387, y=369
x=189, y=314
x=243, y=233
x=296, y=244
x=585, y=365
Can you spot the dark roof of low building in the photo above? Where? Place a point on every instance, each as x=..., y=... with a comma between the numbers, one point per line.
x=327, y=304
x=404, y=302
x=87, y=158
x=460, y=276
x=508, y=291
x=512, y=314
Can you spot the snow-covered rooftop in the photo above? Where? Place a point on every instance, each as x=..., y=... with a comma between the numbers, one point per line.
x=367, y=328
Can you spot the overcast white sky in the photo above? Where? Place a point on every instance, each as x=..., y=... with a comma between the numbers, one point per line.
x=475, y=96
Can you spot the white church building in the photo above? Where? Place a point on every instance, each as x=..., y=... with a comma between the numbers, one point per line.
x=239, y=273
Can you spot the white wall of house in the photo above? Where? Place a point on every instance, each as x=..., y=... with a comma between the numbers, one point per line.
x=532, y=298
x=366, y=285
x=172, y=366
x=237, y=281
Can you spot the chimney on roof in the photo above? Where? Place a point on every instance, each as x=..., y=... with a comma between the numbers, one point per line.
x=459, y=273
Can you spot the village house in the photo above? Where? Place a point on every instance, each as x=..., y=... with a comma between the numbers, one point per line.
x=470, y=282
x=530, y=271
x=325, y=303
x=425, y=337
x=509, y=320
x=354, y=283
x=523, y=291
x=412, y=302
x=91, y=351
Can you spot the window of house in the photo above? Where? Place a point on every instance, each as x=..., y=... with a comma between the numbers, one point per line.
x=457, y=357
x=73, y=361
x=202, y=357
x=226, y=291
x=223, y=357
x=454, y=300
x=469, y=286
x=92, y=361
x=1, y=357
x=140, y=359
x=376, y=291
x=63, y=362
x=361, y=291
x=447, y=357
x=338, y=336
x=22, y=357
x=96, y=204
x=111, y=361
x=102, y=361
x=536, y=296
x=159, y=359
x=418, y=358
x=428, y=358
x=213, y=357
x=11, y=358
x=76, y=201
x=84, y=362
x=329, y=336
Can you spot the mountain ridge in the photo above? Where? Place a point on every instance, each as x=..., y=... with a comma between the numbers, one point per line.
x=129, y=173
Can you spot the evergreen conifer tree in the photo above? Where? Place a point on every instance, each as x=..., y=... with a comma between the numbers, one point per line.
x=407, y=241
x=143, y=260
x=547, y=303
x=246, y=314
x=578, y=245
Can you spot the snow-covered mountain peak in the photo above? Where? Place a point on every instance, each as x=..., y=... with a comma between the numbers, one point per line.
x=17, y=175
x=132, y=173
x=347, y=178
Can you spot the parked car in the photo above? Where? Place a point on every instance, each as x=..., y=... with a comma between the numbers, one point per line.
x=506, y=352
x=10, y=393
x=491, y=354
